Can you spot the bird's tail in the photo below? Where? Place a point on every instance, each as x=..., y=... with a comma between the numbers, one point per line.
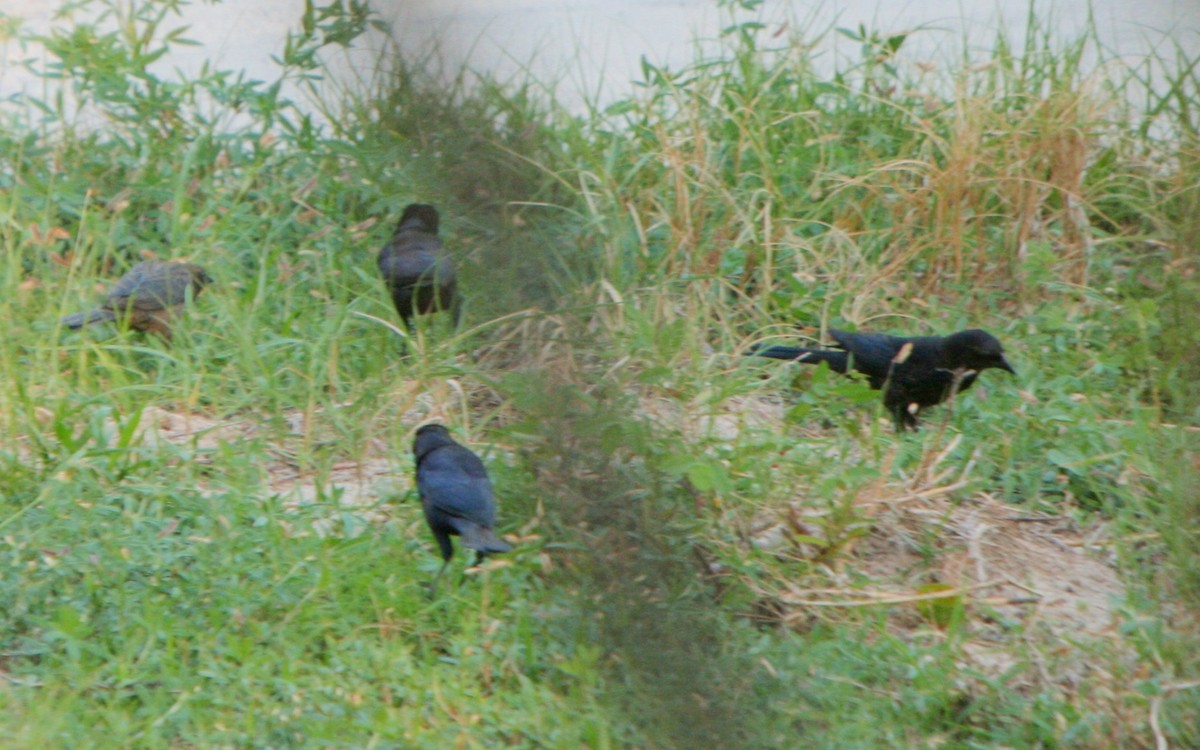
x=483, y=540
x=837, y=361
x=79, y=320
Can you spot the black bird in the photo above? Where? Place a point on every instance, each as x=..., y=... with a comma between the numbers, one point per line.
x=456, y=495
x=921, y=371
x=416, y=268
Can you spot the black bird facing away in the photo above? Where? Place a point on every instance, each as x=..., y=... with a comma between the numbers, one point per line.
x=456, y=495
x=912, y=372
x=147, y=297
x=418, y=272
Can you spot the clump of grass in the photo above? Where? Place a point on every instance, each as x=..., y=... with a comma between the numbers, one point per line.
x=774, y=195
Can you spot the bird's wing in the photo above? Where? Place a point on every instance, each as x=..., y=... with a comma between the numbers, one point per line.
x=454, y=481
x=414, y=242
x=920, y=377
x=415, y=261
x=126, y=288
x=151, y=288
x=872, y=353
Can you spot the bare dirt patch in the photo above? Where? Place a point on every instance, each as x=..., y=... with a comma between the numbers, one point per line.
x=1004, y=565
x=1020, y=578
x=359, y=486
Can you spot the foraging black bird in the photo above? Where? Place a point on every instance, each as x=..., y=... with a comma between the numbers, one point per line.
x=416, y=268
x=921, y=371
x=146, y=298
x=456, y=495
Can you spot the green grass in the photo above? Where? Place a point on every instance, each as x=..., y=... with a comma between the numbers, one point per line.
x=693, y=530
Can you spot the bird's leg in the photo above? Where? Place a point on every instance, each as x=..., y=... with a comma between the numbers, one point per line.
x=433, y=586
x=406, y=340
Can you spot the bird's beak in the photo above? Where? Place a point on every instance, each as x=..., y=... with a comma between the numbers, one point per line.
x=1004, y=365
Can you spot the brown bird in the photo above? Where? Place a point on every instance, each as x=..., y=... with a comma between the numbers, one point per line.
x=147, y=297
x=416, y=268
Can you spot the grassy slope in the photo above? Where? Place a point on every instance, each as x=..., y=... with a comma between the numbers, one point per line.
x=177, y=593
